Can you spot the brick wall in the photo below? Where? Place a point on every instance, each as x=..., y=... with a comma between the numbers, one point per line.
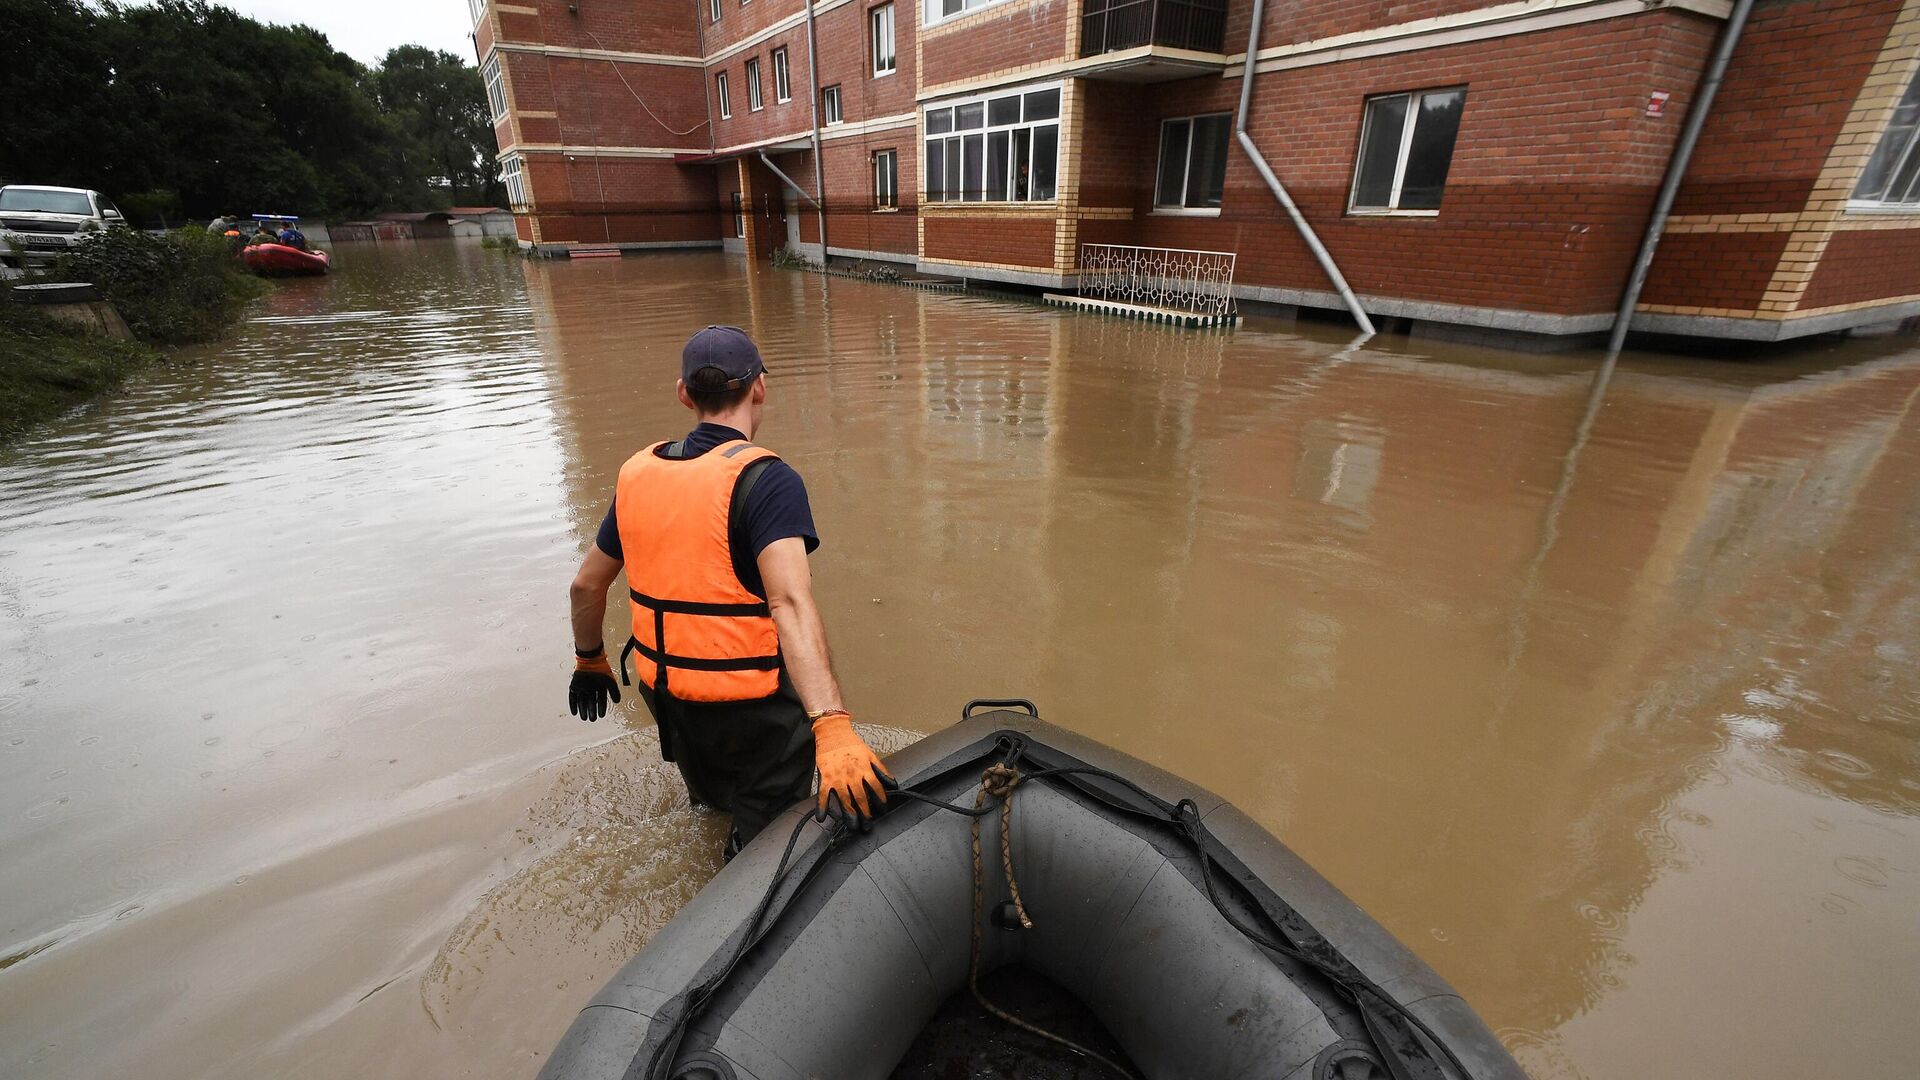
x=1551, y=179
x=1785, y=96
x=648, y=26
x=1866, y=265
x=622, y=200
x=1001, y=40
x=1007, y=241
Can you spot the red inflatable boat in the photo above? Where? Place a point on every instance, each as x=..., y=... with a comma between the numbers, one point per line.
x=281, y=259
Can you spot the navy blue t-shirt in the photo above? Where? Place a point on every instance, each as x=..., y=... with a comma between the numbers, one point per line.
x=775, y=509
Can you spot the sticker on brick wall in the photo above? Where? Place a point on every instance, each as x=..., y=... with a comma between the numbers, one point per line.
x=1657, y=104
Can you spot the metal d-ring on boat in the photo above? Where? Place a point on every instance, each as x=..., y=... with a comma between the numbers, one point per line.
x=1201, y=945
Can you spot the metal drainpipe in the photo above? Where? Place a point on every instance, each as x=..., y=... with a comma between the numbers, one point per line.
x=788, y=180
x=813, y=109
x=1677, y=169
x=1273, y=182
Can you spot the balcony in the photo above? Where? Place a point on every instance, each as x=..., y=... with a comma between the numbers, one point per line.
x=1153, y=40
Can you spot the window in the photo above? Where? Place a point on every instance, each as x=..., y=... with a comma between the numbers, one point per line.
x=479, y=10
x=996, y=149
x=516, y=184
x=782, y=78
x=496, y=87
x=1193, y=162
x=1890, y=178
x=938, y=10
x=1406, y=147
x=713, y=10
x=720, y=93
x=830, y=105
x=880, y=21
x=754, y=101
x=886, y=180
x=739, y=217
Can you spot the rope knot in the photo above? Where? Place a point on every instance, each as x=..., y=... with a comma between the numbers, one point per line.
x=999, y=780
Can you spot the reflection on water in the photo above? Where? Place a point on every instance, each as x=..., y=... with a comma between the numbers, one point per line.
x=1595, y=686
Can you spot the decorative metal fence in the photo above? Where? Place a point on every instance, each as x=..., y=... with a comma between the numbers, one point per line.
x=1200, y=282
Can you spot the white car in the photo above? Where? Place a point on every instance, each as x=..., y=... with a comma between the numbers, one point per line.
x=38, y=223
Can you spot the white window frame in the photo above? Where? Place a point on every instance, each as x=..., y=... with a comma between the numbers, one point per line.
x=513, y=176
x=1057, y=121
x=1392, y=209
x=886, y=183
x=1857, y=205
x=1180, y=208
x=479, y=10
x=496, y=86
x=934, y=12
x=715, y=8
x=836, y=113
x=882, y=55
x=755, y=99
x=782, y=76
x=723, y=99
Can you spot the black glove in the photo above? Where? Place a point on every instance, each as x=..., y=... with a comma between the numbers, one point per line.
x=593, y=682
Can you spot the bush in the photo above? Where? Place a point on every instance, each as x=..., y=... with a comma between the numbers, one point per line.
x=173, y=287
x=793, y=260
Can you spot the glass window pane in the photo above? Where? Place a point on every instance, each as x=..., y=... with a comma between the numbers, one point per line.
x=936, y=169
x=939, y=121
x=1431, y=153
x=1173, y=163
x=1022, y=164
x=1893, y=144
x=1043, y=105
x=969, y=117
x=997, y=154
x=972, y=183
x=1005, y=110
x=1379, y=152
x=951, y=7
x=1046, y=152
x=1207, y=176
x=1901, y=189
x=953, y=170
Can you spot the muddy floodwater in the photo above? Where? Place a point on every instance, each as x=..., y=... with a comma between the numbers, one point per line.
x=1599, y=688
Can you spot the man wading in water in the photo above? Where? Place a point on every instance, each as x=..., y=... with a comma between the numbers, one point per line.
x=713, y=533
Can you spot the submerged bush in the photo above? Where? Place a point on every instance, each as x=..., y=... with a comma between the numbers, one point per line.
x=172, y=287
x=48, y=366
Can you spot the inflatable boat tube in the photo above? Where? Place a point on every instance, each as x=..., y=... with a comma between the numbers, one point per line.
x=1200, y=942
x=278, y=259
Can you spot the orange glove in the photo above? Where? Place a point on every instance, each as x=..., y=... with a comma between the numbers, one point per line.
x=847, y=764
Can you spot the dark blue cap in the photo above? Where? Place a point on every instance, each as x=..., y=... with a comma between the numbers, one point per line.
x=719, y=358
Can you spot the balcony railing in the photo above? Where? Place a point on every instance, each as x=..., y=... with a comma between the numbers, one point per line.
x=1197, y=282
x=1110, y=25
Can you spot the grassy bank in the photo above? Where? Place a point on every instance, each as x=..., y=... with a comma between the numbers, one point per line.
x=171, y=289
x=48, y=366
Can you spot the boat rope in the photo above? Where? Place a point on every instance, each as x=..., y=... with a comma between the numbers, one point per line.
x=998, y=782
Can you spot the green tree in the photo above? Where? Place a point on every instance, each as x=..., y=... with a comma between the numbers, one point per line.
x=190, y=97
x=441, y=103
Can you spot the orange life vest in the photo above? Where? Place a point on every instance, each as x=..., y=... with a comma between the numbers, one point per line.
x=701, y=634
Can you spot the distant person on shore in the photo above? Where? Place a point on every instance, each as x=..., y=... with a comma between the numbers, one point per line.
x=291, y=236
x=713, y=533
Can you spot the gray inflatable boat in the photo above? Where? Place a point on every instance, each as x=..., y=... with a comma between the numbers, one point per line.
x=1186, y=941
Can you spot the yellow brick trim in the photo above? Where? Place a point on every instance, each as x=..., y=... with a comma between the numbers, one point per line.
x=1826, y=207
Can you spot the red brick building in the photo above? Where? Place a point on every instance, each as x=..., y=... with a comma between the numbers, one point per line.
x=1467, y=164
